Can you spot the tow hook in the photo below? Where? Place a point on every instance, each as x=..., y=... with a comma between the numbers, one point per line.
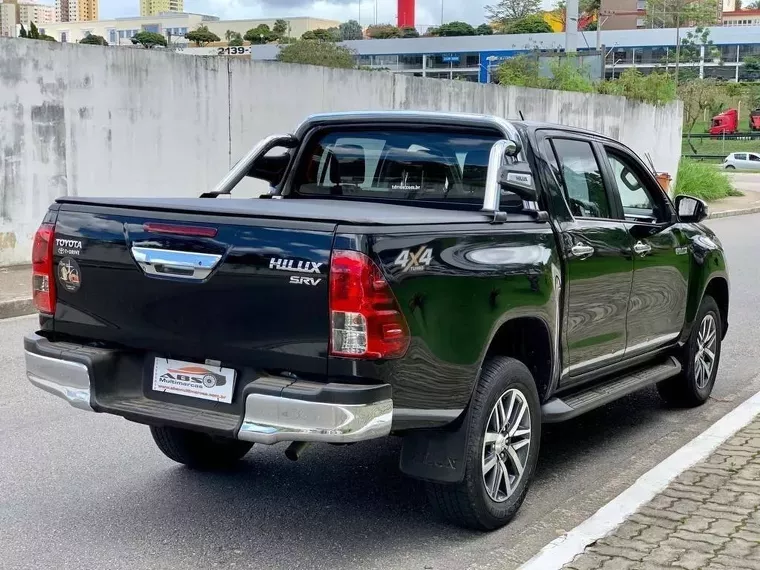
x=295, y=449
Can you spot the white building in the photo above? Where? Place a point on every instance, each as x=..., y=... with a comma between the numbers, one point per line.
x=120, y=30
x=13, y=14
x=40, y=14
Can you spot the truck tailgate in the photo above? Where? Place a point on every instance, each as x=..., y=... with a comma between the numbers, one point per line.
x=255, y=293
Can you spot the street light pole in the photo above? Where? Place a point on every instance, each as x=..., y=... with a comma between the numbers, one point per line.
x=678, y=45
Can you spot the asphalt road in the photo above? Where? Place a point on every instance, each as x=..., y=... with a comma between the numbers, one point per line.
x=83, y=491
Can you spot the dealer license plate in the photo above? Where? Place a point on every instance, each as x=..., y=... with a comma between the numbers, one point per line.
x=193, y=380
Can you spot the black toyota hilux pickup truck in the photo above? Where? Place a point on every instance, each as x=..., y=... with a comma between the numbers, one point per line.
x=456, y=280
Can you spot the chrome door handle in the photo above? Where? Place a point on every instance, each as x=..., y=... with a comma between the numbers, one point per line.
x=171, y=263
x=642, y=248
x=582, y=251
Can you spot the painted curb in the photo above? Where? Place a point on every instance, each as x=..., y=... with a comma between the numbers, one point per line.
x=739, y=212
x=564, y=549
x=17, y=308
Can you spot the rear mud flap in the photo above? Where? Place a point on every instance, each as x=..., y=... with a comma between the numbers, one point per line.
x=436, y=455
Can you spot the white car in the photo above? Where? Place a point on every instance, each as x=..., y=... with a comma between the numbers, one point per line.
x=742, y=161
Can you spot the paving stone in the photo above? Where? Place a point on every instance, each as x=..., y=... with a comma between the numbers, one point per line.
x=680, y=543
x=700, y=537
x=618, y=552
x=747, y=535
x=613, y=541
x=664, y=555
x=748, y=500
x=661, y=502
x=724, y=496
x=648, y=520
x=686, y=506
x=712, y=481
x=662, y=514
x=690, y=477
x=587, y=561
x=629, y=529
x=655, y=534
x=737, y=563
x=737, y=548
x=715, y=514
x=723, y=527
x=696, y=523
x=695, y=493
x=693, y=560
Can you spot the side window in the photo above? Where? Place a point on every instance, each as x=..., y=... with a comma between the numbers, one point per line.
x=740, y=156
x=637, y=200
x=582, y=179
x=754, y=158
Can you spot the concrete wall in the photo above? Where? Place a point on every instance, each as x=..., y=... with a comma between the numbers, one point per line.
x=84, y=120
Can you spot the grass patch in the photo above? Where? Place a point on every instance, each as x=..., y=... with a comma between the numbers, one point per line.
x=719, y=146
x=703, y=181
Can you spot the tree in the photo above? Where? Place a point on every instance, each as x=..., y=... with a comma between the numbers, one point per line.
x=322, y=35
x=261, y=34
x=455, y=29
x=236, y=40
x=697, y=95
x=484, y=30
x=34, y=33
x=507, y=11
x=351, y=30
x=47, y=38
x=201, y=36
x=690, y=51
x=586, y=8
x=753, y=5
x=94, y=40
x=383, y=31
x=409, y=32
x=229, y=34
x=533, y=24
x=149, y=40
x=314, y=52
x=681, y=13
x=281, y=28
x=22, y=33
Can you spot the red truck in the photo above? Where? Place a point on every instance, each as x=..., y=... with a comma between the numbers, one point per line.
x=727, y=122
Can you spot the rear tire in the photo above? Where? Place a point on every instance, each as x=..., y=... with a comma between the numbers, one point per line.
x=693, y=386
x=730, y=167
x=500, y=440
x=198, y=450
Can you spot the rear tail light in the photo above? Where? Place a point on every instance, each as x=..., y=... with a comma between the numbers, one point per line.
x=43, y=280
x=365, y=319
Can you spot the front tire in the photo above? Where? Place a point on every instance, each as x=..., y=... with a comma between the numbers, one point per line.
x=502, y=449
x=198, y=450
x=730, y=167
x=700, y=359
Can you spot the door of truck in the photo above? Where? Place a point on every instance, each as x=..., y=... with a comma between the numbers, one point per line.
x=661, y=260
x=595, y=245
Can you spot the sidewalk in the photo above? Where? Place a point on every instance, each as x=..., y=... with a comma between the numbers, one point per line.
x=735, y=205
x=15, y=291
x=707, y=519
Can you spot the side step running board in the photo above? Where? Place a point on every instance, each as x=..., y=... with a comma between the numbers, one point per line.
x=559, y=410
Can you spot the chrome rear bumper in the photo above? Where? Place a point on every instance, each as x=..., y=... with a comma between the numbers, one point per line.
x=275, y=409
x=65, y=379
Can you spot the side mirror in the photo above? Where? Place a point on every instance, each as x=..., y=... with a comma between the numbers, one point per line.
x=518, y=178
x=691, y=210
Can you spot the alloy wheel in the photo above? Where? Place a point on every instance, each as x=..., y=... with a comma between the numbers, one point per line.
x=506, y=445
x=704, y=360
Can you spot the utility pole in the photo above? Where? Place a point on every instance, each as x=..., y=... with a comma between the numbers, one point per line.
x=571, y=26
x=678, y=46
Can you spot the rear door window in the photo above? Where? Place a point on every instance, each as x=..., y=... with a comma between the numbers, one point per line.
x=398, y=164
x=740, y=156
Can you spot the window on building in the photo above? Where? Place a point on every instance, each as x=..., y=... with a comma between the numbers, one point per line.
x=112, y=37
x=64, y=37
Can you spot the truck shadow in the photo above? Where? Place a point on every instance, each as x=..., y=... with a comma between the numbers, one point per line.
x=352, y=507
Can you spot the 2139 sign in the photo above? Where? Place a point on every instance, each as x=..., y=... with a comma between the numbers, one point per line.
x=234, y=50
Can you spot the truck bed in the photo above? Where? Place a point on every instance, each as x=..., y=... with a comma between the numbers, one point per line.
x=338, y=211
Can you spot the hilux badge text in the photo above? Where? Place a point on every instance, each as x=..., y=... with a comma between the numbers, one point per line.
x=280, y=264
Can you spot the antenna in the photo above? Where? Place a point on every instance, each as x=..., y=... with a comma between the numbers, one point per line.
x=521, y=115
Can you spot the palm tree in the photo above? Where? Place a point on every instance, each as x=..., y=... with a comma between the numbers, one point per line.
x=229, y=34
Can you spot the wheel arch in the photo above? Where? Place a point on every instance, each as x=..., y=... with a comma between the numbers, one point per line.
x=529, y=340
x=717, y=288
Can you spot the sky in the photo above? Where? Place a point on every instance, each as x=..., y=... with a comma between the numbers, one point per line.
x=428, y=11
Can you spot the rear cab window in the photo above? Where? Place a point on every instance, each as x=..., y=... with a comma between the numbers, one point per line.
x=447, y=166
